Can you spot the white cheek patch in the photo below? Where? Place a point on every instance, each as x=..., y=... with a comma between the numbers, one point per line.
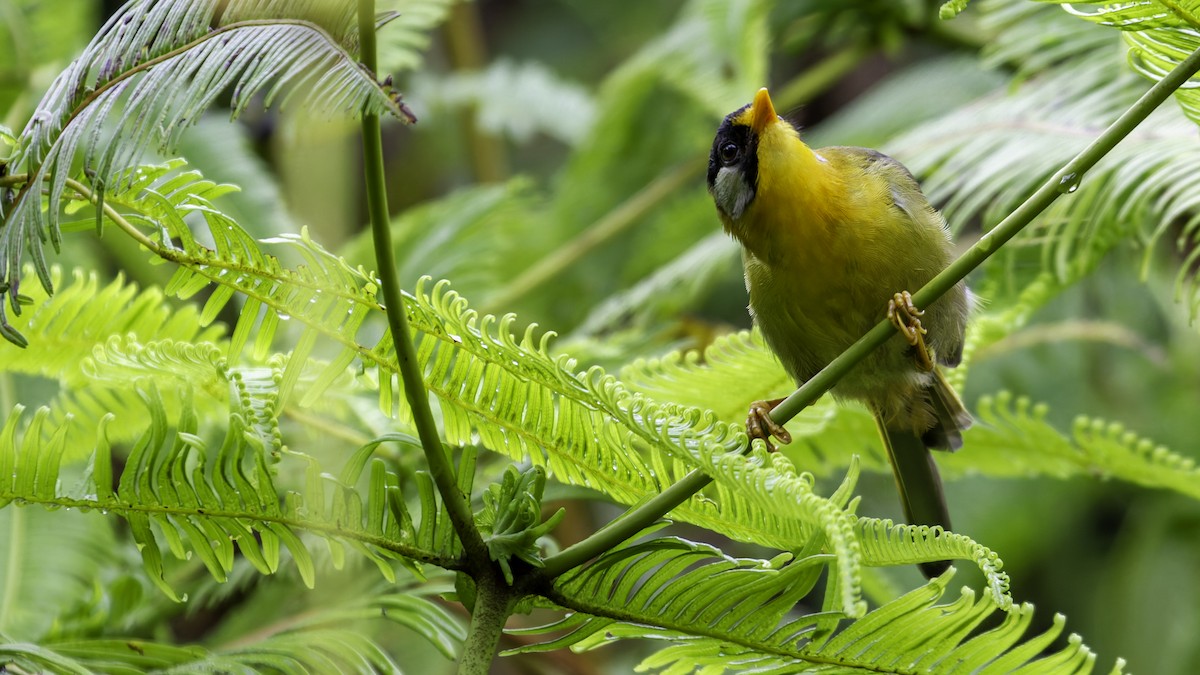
x=731, y=193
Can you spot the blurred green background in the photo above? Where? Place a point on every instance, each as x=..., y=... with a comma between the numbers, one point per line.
x=557, y=172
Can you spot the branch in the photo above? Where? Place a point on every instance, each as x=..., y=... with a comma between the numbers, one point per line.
x=457, y=505
x=610, y=225
x=1063, y=182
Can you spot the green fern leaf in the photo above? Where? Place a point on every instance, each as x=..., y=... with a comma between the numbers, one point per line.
x=84, y=315
x=511, y=519
x=517, y=100
x=1019, y=31
x=981, y=160
x=718, y=613
x=1160, y=34
x=34, y=658
x=43, y=588
x=403, y=38
x=318, y=641
x=157, y=61
x=1016, y=440
x=175, y=491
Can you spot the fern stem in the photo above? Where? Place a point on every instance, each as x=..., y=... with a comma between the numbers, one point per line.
x=457, y=506
x=115, y=216
x=493, y=606
x=213, y=34
x=12, y=565
x=624, y=526
x=1063, y=182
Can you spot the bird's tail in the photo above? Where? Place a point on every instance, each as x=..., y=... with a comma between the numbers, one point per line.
x=918, y=482
x=951, y=417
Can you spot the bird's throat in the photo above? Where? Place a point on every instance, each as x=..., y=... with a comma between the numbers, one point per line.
x=794, y=205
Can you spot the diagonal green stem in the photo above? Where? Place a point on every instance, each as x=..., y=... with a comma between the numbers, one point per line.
x=613, y=223
x=457, y=506
x=1064, y=181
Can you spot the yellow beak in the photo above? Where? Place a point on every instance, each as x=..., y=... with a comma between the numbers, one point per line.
x=762, y=112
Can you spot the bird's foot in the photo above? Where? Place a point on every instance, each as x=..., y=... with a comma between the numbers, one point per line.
x=906, y=317
x=760, y=425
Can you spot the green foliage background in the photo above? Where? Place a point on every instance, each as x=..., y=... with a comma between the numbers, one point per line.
x=568, y=138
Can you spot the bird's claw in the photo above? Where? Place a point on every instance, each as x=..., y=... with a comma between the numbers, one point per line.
x=760, y=425
x=906, y=317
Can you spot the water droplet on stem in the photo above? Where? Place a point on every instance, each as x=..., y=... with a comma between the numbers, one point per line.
x=1068, y=183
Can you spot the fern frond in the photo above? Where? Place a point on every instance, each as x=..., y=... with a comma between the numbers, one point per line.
x=403, y=38
x=1034, y=37
x=511, y=519
x=888, y=543
x=199, y=368
x=36, y=658
x=1160, y=34
x=40, y=588
x=149, y=73
x=586, y=428
x=203, y=499
x=518, y=399
x=738, y=362
x=84, y=315
x=980, y=161
x=719, y=612
x=83, y=322
x=322, y=640
x=1015, y=440
x=325, y=650
x=517, y=100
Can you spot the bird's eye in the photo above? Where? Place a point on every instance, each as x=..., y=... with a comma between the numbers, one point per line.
x=729, y=152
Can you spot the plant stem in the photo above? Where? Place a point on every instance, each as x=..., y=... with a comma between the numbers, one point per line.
x=465, y=47
x=610, y=225
x=1064, y=181
x=625, y=525
x=493, y=606
x=819, y=77
x=457, y=506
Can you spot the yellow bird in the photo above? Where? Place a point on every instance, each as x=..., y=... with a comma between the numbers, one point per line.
x=831, y=239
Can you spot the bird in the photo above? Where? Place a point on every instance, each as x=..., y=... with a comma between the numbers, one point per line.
x=832, y=240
